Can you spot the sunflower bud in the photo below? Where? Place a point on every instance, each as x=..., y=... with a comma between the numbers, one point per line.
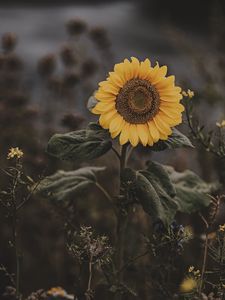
x=76, y=27
x=9, y=41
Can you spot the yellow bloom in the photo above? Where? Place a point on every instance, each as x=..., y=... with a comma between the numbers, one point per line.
x=188, y=285
x=57, y=291
x=222, y=228
x=190, y=94
x=15, y=152
x=221, y=124
x=139, y=103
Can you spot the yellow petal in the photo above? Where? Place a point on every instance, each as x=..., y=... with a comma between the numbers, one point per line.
x=116, y=123
x=128, y=70
x=133, y=135
x=104, y=107
x=165, y=83
x=119, y=69
x=159, y=75
x=135, y=65
x=144, y=69
x=153, y=131
x=150, y=140
x=170, y=121
x=116, y=79
x=124, y=136
x=171, y=98
x=105, y=118
x=172, y=113
x=162, y=126
x=110, y=88
x=143, y=133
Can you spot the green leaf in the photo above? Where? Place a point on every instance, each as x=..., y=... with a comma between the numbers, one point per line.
x=92, y=101
x=192, y=192
x=144, y=188
x=162, y=191
x=63, y=185
x=175, y=140
x=80, y=145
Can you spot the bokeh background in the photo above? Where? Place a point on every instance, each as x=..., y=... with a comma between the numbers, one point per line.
x=53, y=54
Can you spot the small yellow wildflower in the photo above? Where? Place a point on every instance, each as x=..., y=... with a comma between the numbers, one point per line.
x=15, y=152
x=222, y=228
x=188, y=285
x=196, y=273
x=57, y=291
x=190, y=94
x=191, y=269
x=221, y=124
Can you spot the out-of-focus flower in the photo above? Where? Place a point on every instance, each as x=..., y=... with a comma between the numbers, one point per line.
x=222, y=228
x=9, y=40
x=221, y=124
x=15, y=152
x=89, y=68
x=190, y=94
x=46, y=65
x=67, y=56
x=76, y=26
x=99, y=36
x=57, y=291
x=188, y=285
x=70, y=79
x=138, y=103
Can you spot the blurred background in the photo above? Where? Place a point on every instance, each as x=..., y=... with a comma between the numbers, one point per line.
x=53, y=54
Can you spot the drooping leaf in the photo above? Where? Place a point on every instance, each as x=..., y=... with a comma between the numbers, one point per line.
x=192, y=193
x=162, y=191
x=175, y=140
x=80, y=145
x=64, y=184
x=144, y=188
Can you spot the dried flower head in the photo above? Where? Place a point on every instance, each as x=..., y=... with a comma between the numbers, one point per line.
x=46, y=65
x=9, y=40
x=76, y=26
x=139, y=103
x=86, y=244
x=67, y=56
x=190, y=94
x=15, y=153
x=99, y=36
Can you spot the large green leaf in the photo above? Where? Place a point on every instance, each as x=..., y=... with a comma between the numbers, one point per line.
x=192, y=193
x=175, y=140
x=145, y=188
x=80, y=145
x=66, y=184
x=162, y=191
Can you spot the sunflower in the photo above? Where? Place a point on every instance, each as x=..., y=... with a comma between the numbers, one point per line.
x=138, y=103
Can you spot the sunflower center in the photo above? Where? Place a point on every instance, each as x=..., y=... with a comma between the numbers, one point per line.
x=138, y=101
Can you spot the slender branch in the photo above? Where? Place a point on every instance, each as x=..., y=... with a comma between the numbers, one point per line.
x=101, y=188
x=205, y=254
x=89, y=291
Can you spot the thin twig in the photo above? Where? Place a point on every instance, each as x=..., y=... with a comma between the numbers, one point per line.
x=205, y=253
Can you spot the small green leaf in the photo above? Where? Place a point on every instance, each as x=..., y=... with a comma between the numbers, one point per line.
x=175, y=140
x=63, y=185
x=92, y=101
x=80, y=145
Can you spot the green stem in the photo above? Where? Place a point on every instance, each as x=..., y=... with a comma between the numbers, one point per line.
x=121, y=225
